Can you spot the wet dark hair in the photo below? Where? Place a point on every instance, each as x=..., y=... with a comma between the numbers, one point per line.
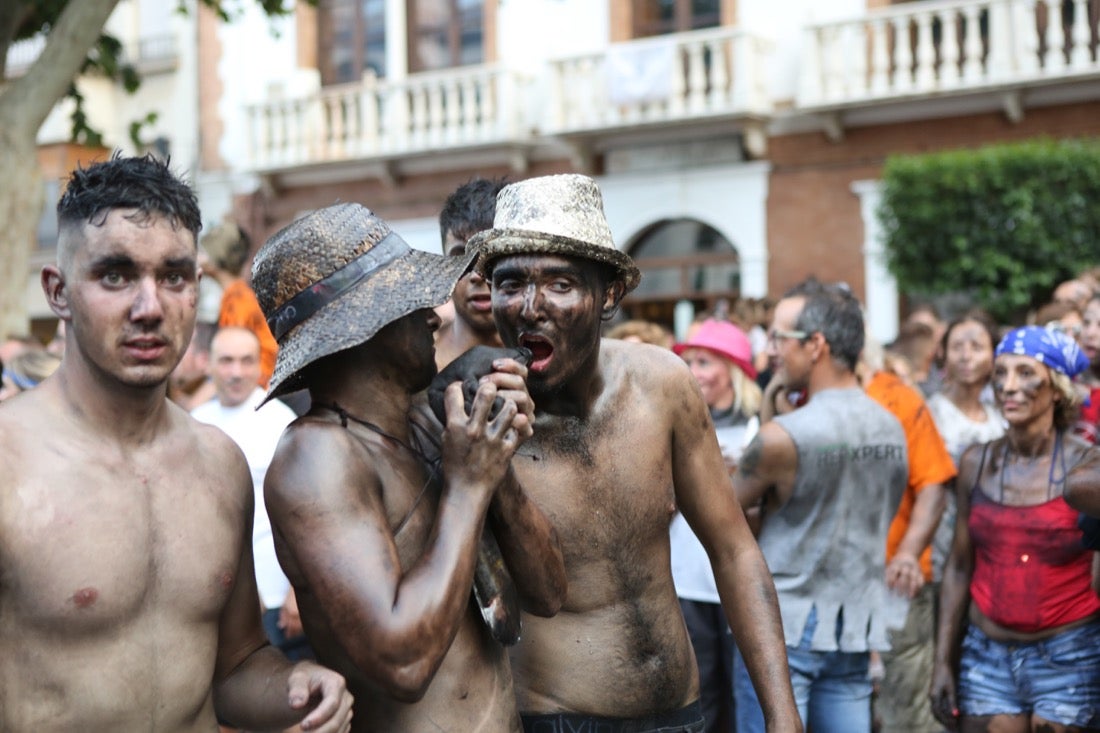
x=834, y=312
x=143, y=183
x=471, y=208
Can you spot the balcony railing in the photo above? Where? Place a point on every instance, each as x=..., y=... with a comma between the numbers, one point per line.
x=694, y=75
x=153, y=54
x=465, y=107
x=925, y=48
x=150, y=54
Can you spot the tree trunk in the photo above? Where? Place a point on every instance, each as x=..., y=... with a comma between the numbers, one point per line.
x=20, y=205
x=24, y=104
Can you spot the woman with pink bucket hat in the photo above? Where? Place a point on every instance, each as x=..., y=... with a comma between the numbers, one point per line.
x=720, y=358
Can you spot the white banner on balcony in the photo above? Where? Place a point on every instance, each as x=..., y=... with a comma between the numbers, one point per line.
x=640, y=73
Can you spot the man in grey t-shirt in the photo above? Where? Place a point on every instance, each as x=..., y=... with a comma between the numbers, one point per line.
x=826, y=479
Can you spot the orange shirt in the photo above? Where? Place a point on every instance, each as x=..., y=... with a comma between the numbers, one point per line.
x=929, y=461
x=240, y=308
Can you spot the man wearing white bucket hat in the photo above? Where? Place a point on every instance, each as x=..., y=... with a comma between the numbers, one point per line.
x=622, y=439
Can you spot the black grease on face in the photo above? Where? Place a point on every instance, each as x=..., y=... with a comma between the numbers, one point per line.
x=1029, y=386
x=554, y=297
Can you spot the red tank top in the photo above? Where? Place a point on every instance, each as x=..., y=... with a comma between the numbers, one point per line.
x=1031, y=570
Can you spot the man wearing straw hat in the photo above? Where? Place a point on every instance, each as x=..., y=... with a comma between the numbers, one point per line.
x=621, y=440
x=127, y=595
x=377, y=530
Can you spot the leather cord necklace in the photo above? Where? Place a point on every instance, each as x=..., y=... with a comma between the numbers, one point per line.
x=433, y=466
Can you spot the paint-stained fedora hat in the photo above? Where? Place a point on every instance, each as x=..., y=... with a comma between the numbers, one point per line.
x=332, y=279
x=559, y=215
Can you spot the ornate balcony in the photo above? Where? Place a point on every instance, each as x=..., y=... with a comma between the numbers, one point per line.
x=378, y=121
x=942, y=50
x=702, y=80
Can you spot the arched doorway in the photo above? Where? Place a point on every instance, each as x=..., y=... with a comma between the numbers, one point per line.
x=681, y=259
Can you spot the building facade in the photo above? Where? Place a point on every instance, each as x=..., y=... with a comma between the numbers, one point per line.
x=738, y=143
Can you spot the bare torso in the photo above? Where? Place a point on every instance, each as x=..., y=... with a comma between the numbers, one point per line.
x=115, y=566
x=619, y=646
x=472, y=689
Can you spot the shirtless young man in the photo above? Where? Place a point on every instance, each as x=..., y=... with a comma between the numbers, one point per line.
x=379, y=539
x=466, y=212
x=622, y=439
x=127, y=596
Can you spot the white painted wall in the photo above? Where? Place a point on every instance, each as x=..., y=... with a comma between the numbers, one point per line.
x=880, y=287
x=422, y=234
x=730, y=198
x=531, y=31
x=258, y=53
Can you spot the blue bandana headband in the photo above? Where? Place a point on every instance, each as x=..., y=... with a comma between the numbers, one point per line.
x=1048, y=347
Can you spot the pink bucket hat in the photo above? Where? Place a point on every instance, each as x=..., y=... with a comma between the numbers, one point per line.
x=724, y=339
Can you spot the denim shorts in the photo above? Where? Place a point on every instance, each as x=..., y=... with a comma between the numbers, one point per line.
x=1057, y=679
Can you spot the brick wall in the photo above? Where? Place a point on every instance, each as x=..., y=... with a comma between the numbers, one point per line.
x=814, y=224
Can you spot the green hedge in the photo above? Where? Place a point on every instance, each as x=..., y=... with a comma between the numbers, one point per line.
x=1003, y=223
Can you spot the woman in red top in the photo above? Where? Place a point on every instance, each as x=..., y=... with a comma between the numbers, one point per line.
x=1018, y=644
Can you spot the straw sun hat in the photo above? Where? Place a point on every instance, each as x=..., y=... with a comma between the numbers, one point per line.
x=332, y=279
x=558, y=215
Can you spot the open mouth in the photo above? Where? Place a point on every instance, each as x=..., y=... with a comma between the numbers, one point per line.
x=542, y=351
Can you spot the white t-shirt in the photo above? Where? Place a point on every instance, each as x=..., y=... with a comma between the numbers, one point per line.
x=257, y=433
x=691, y=571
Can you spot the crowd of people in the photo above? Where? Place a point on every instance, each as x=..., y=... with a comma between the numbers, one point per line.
x=336, y=483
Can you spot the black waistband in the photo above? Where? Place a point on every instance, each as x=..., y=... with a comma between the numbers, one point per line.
x=688, y=719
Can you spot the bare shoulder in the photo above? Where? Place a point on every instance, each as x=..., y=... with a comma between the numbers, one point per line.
x=21, y=417
x=211, y=440
x=1080, y=452
x=972, y=460
x=209, y=453
x=651, y=367
x=312, y=458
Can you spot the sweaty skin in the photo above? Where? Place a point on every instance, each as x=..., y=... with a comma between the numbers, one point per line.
x=382, y=551
x=127, y=592
x=622, y=439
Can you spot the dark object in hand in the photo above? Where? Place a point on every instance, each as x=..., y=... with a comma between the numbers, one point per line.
x=469, y=368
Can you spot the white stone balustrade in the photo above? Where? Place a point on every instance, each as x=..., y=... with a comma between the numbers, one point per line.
x=462, y=107
x=693, y=75
x=924, y=48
